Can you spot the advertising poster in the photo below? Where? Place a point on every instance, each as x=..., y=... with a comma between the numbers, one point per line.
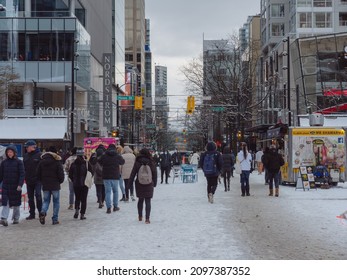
x=313, y=146
x=91, y=143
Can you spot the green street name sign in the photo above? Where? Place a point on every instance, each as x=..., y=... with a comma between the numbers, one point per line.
x=218, y=109
x=125, y=97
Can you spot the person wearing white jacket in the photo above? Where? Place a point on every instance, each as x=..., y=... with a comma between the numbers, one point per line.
x=126, y=169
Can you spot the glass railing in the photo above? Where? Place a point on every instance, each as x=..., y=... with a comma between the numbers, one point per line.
x=43, y=14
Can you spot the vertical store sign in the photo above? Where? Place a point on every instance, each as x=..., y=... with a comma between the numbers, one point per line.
x=107, y=88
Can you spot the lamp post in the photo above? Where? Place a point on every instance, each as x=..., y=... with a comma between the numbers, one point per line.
x=286, y=40
x=73, y=68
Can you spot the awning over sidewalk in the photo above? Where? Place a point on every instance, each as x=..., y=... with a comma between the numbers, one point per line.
x=33, y=128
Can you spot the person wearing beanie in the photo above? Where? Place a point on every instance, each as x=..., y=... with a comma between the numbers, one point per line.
x=51, y=174
x=211, y=163
x=12, y=176
x=31, y=160
x=110, y=162
x=67, y=166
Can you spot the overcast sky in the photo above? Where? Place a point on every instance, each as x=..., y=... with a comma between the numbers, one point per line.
x=178, y=27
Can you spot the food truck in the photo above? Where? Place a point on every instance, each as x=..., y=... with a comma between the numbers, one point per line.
x=91, y=143
x=312, y=146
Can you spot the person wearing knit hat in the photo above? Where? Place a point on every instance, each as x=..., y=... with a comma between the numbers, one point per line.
x=211, y=163
x=244, y=157
x=31, y=160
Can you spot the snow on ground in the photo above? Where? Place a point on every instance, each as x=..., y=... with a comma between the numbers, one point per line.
x=297, y=225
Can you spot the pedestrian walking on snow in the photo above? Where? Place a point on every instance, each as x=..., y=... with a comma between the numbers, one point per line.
x=211, y=162
x=111, y=162
x=126, y=169
x=273, y=162
x=144, y=167
x=77, y=175
x=97, y=171
x=12, y=179
x=67, y=165
x=31, y=161
x=227, y=167
x=245, y=159
x=51, y=174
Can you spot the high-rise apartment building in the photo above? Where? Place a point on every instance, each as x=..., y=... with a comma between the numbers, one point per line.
x=161, y=99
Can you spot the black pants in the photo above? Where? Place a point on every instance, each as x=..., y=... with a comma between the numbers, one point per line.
x=140, y=206
x=165, y=170
x=128, y=188
x=226, y=178
x=211, y=184
x=100, y=192
x=34, y=191
x=81, y=194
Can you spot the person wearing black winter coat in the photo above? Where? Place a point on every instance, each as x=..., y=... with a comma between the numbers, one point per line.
x=165, y=165
x=97, y=169
x=110, y=162
x=31, y=161
x=51, y=174
x=144, y=192
x=227, y=167
x=212, y=178
x=273, y=162
x=12, y=178
x=77, y=174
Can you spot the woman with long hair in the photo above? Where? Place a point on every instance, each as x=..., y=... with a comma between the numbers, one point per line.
x=245, y=159
x=144, y=191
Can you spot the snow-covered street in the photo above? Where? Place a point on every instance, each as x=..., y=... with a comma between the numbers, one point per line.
x=296, y=225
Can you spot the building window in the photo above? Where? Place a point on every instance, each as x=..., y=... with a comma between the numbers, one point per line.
x=323, y=20
x=305, y=20
x=277, y=10
x=304, y=3
x=343, y=19
x=277, y=29
x=322, y=3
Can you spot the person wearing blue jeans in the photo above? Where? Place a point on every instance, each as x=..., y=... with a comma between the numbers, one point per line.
x=245, y=159
x=111, y=194
x=111, y=161
x=50, y=173
x=56, y=204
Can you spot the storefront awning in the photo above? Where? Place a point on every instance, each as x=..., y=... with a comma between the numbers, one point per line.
x=33, y=128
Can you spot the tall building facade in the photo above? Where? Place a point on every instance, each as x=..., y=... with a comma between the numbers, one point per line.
x=161, y=99
x=55, y=51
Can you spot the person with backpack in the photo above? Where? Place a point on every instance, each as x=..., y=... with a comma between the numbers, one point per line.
x=273, y=162
x=211, y=162
x=12, y=178
x=146, y=180
x=245, y=159
x=227, y=167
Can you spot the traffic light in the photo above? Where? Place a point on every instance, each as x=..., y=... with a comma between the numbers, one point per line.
x=138, y=102
x=114, y=132
x=190, y=104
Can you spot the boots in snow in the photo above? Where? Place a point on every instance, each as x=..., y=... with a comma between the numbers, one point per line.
x=123, y=198
x=83, y=217
x=277, y=192
x=271, y=192
x=76, y=214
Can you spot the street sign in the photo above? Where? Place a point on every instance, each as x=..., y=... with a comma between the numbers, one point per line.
x=125, y=97
x=218, y=109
